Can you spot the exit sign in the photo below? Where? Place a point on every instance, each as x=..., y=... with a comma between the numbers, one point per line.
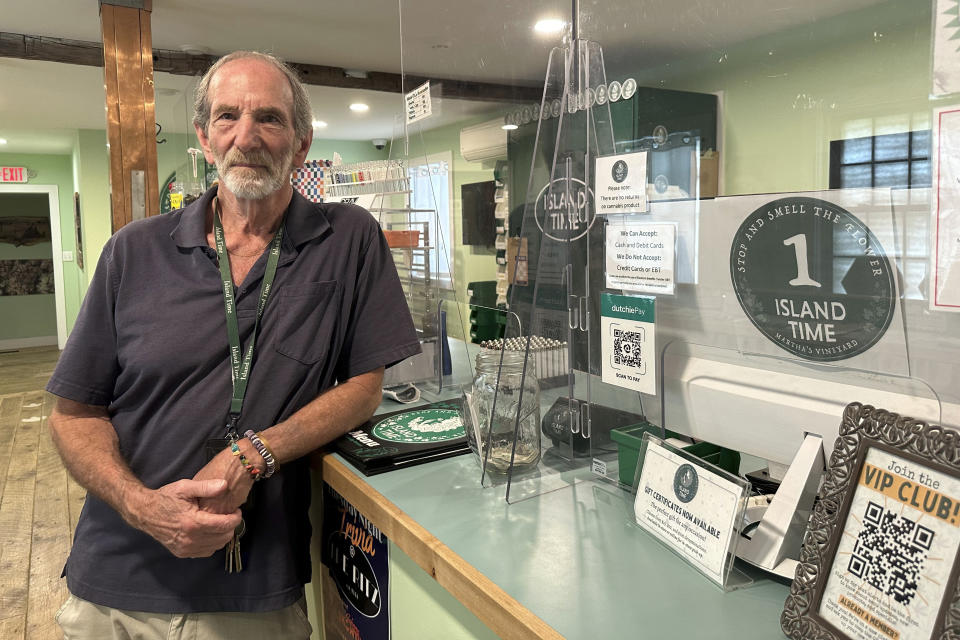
x=13, y=174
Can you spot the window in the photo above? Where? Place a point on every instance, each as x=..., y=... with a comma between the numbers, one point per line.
x=891, y=160
x=431, y=183
x=901, y=161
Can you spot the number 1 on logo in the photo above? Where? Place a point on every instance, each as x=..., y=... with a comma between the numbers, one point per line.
x=803, y=278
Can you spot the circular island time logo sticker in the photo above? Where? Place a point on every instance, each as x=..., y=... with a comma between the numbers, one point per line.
x=813, y=278
x=421, y=427
x=619, y=171
x=685, y=483
x=563, y=215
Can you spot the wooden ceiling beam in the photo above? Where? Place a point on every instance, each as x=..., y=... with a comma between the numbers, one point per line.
x=28, y=47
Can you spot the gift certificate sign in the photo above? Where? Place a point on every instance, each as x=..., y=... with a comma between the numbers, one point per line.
x=688, y=508
x=627, y=342
x=641, y=257
x=621, y=183
x=896, y=552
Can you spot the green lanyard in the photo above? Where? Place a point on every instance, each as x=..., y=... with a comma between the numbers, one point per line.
x=240, y=369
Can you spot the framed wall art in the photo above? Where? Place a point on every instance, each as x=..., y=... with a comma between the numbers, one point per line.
x=79, y=229
x=879, y=560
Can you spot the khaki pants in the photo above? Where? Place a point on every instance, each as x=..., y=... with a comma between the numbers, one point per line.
x=82, y=620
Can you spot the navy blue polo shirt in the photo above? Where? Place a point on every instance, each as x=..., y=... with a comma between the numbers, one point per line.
x=150, y=344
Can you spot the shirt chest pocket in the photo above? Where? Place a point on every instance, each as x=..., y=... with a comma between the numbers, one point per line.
x=307, y=319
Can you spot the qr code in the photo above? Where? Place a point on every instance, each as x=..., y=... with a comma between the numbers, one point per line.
x=889, y=553
x=626, y=348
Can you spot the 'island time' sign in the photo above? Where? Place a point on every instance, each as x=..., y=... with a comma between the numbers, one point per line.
x=813, y=278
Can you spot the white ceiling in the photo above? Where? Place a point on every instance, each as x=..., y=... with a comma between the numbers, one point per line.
x=491, y=41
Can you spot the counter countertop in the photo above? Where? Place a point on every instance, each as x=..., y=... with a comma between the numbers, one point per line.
x=568, y=563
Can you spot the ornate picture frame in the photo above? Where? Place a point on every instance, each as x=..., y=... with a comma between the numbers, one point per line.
x=78, y=227
x=880, y=556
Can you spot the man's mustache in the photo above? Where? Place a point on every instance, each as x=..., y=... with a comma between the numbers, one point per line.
x=235, y=157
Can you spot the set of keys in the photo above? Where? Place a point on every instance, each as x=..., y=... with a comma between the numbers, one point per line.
x=234, y=563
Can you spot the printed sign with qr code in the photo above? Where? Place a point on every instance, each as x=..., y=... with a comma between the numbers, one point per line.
x=627, y=342
x=628, y=349
x=896, y=552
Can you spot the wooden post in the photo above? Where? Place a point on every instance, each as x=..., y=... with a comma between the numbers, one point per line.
x=131, y=118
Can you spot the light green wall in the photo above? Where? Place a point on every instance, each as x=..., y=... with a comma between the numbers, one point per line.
x=92, y=169
x=92, y=179
x=28, y=316
x=785, y=97
x=421, y=608
x=469, y=263
x=349, y=150
x=56, y=170
x=172, y=156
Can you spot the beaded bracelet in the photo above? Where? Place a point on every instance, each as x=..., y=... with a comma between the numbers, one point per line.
x=266, y=444
x=264, y=452
x=252, y=470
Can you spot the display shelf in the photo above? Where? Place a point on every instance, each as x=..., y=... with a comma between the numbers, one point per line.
x=408, y=232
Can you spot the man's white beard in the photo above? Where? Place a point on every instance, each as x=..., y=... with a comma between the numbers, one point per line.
x=253, y=184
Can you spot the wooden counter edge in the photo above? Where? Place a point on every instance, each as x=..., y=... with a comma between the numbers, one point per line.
x=502, y=613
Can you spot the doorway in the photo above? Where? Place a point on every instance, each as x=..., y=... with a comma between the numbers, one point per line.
x=51, y=194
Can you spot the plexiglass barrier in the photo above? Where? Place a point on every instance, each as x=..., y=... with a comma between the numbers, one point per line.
x=794, y=245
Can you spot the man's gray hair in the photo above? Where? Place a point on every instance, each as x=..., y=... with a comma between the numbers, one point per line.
x=302, y=114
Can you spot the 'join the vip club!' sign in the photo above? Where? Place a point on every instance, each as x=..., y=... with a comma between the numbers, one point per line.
x=813, y=278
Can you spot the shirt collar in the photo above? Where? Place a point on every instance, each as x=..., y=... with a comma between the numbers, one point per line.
x=304, y=222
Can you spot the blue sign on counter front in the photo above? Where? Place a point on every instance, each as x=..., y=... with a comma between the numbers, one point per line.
x=356, y=582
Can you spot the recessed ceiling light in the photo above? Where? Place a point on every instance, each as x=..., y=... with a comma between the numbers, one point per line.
x=3, y=141
x=359, y=107
x=319, y=124
x=509, y=127
x=549, y=25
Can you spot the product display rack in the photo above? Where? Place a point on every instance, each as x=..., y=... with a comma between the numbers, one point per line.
x=383, y=188
x=486, y=321
x=501, y=209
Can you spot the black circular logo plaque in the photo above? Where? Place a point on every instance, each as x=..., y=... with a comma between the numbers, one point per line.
x=619, y=171
x=813, y=278
x=685, y=483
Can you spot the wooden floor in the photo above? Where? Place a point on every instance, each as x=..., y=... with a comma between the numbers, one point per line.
x=39, y=502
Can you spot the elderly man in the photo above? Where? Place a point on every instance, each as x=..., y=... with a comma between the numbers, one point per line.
x=215, y=348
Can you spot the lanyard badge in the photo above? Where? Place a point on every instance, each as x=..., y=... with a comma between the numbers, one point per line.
x=240, y=365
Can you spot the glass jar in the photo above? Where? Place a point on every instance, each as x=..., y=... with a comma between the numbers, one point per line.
x=506, y=388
